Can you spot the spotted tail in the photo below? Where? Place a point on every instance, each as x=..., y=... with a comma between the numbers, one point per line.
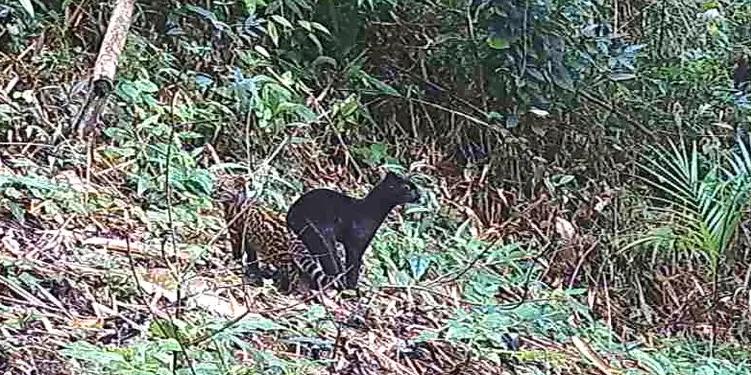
x=307, y=263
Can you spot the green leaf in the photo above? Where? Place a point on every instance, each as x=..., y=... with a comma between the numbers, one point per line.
x=381, y=86
x=622, y=76
x=282, y=21
x=151, y=120
x=576, y=291
x=84, y=351
x=28, y=7
x=17, y=211
x=321, y=60
x=250, y=6
x=316, y=312
x=317, y=42
x=146, y=85
x=262, y=51
x=419, y=264
x=128, y=91
x=511, y=121
x=648, y=362
x=496, y=42
x=36, y=182
x=348, y=108
x=494, y=116
x=205, y=13
x=561, y=77
x=169, y=345
x=565, y=179
x=305, y=25
x=143, y=184
x=163, y=328
x=459, y=331
x=322, y=28
x=273, y=33
x=426, y=336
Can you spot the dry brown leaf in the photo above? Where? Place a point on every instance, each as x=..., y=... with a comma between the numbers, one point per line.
x=564, y=228
x=75, y=182
x=601, y=204
x=11, y=245
x=136, y=248
x=86, y=323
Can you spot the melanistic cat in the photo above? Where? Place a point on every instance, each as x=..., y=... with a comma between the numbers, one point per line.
x=322, y=217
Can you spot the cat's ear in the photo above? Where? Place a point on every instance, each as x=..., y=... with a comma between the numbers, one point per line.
x=391, y=177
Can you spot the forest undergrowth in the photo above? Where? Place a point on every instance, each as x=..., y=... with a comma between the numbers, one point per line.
x=550, y=237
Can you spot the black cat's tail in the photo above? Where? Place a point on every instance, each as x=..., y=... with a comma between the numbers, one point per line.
x=310, y=266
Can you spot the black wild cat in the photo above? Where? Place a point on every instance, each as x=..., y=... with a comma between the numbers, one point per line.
x=321, y=217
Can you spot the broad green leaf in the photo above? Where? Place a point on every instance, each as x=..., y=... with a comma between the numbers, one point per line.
x=128, y=91
x=262, y=51
x=151, y=120
x=85, y=351
x=250, y=6
x=380, y=85
x=258, y=323
x=305, y=25
x=648, y=362
x=622, y=76
x=322, y=28
x=282, y=21
x=273, y=33
x=317, y=42
x=459, y=331
x=17, y=211
x=28, y=7
x=169, y=345
x=419, y=264
x=203, y=80
x=426, y=335
x=539, y=112
x=496, y=42
x=562, y=77
x=146, y=85
x=203, y=12
x=321, y=60
x=511, y=121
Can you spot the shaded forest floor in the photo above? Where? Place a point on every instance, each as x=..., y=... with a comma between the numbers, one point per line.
x=79, y=266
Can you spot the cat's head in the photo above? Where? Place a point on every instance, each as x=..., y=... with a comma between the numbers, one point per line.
x=398, y=189
x=228, y=188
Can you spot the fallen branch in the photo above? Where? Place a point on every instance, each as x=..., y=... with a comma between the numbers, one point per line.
x=106, y=63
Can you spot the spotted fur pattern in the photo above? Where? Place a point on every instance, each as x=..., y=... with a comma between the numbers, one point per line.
x=262, y=236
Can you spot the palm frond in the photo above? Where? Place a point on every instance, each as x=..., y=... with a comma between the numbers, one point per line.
x=701, y=209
